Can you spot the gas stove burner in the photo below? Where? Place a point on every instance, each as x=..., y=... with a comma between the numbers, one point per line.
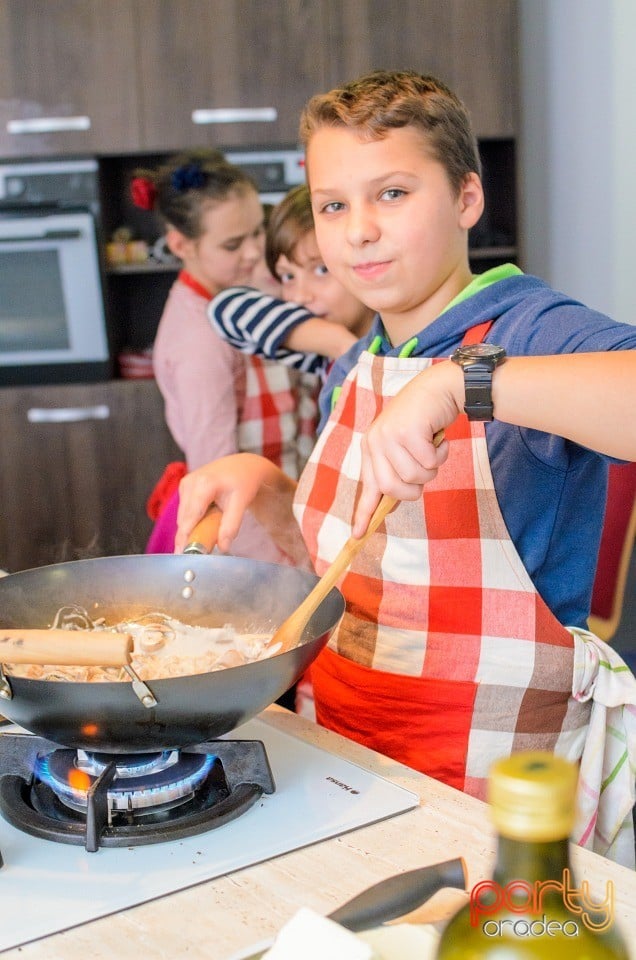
x=143, y=781
x=109, y=800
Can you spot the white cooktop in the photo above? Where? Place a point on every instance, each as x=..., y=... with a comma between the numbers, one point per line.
x=46, y=887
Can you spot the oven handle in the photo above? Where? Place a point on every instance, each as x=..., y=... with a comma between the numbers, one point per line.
x=68, y=414
x=47, y=235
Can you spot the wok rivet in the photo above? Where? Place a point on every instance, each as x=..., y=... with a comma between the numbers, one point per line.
x=189, y=576
x=187, y=592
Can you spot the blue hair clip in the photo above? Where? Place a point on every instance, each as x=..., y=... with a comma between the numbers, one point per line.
x=188, y=177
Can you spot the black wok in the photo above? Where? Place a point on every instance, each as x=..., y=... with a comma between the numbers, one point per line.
x=209, y=591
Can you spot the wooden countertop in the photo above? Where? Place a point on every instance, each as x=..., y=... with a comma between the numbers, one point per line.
x=215, y=919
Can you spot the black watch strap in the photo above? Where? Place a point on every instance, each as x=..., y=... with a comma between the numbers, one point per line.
x=478, y=362
x=478, y=386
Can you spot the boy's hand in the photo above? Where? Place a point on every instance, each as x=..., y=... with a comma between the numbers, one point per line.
x=399, y=454
x=232, y=483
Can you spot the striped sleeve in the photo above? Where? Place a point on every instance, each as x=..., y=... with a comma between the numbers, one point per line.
x=258, y=324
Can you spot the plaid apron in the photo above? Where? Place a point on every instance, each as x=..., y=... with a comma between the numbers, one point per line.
x=278, y=417
x=446, y=658
x=277, y=409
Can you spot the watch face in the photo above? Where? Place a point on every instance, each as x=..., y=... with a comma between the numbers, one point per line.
x=487, y=351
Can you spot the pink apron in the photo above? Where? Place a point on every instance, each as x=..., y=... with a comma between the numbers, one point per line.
x=446, y=658
x=276, y=412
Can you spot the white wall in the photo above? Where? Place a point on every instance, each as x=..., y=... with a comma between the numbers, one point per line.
x=577, y=155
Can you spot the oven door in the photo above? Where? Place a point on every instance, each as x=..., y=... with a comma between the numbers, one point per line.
x=52, y=322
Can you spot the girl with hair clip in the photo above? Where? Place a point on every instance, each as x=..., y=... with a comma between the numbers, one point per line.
x=217, y=401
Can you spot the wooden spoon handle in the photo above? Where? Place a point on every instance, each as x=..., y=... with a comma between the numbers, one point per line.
x=205, y=535
x=76, y=648
x=290, y=632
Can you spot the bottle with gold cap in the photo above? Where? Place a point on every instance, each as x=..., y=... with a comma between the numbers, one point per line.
x=532, y=906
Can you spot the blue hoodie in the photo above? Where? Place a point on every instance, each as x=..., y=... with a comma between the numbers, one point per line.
x=551, y=491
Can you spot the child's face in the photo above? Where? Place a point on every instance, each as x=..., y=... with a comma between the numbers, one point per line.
x=306, y=280
x=389, y=224
x=231, y=242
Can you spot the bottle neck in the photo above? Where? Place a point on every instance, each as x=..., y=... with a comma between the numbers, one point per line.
x=521, y=860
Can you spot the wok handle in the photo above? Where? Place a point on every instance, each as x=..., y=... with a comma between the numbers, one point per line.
x=66, y=647
x=203, y=538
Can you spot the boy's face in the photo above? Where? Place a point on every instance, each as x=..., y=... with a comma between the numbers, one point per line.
x=388, y=223
x=305, y=279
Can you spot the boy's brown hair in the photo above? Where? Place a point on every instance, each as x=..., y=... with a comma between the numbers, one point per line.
x=385, y=100
x=289, y=222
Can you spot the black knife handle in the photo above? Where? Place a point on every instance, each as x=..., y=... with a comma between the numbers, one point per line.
x=399, y=895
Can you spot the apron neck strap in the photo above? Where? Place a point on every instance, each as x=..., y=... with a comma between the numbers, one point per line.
x=477, y=334
x=190, y=281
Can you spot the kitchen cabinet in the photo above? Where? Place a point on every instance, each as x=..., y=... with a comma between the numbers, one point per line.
x=216, y=54
x=198, y=55
x=131, y=73
x=77, y=464
x=470, y=44
x=69, y=65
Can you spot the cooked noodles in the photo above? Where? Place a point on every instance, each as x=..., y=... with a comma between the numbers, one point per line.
x=163, y=648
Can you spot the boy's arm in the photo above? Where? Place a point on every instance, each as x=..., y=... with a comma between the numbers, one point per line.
x=259, y=324
x=588, y=398
x=241, y=482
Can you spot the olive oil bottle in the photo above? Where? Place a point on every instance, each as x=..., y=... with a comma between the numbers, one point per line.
x=533, y=907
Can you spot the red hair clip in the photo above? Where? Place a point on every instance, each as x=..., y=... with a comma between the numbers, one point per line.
x=143, y=193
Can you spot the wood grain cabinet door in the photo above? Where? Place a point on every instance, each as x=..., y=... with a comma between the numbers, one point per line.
x=470, y=44
x=77, y=464
x=199, y=57
x=68, y=77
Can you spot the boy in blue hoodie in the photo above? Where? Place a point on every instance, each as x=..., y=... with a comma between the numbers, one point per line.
x=464, y=636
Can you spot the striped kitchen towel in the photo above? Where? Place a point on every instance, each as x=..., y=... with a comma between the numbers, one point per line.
x=607, y=779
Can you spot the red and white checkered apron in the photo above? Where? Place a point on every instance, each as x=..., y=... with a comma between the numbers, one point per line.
x=447, y=657
x=278, y=409
x=273, y=416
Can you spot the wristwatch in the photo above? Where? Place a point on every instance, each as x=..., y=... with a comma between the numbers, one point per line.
x=478, y=361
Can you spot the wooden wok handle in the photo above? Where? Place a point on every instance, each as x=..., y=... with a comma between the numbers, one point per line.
x=205, y=535
x=290, y=632
x=75, y=648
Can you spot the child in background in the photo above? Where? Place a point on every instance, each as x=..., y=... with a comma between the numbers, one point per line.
x=217, y=402
x=464, y=637
x=319, y=320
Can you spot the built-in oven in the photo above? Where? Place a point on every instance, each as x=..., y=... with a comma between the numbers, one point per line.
x=52, y=320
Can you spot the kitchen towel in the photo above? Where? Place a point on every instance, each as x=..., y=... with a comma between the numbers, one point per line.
x=607, y=778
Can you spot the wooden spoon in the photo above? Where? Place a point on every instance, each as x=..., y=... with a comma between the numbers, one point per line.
x=289, y=633
x=66, y=647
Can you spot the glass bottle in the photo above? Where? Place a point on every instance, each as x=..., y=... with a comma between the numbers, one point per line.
x=532, y=907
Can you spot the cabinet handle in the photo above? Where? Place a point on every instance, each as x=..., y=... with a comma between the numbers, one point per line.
x=48, y=124
x=68, y=414
x=236, y=115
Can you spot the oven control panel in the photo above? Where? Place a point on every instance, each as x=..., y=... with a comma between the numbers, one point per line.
x=273, y=171
x=64, y=183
